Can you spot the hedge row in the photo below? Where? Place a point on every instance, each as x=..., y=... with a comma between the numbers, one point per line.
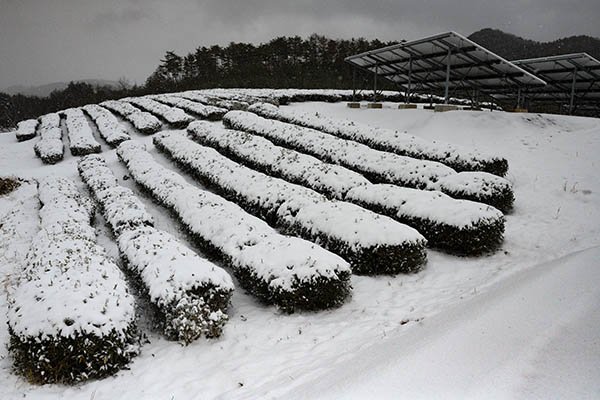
x=108, y=126
x=373, y=244
x=143, y=121
x=458, y=226
x=461, y=227
x=288, y=272
x=70, y=316
x=203, y=111
x=189, y=293
x=50, y=148
x=213, y=100
x=401, y=143
x=261, y=154
x=378, y=166
x=26, y=130
x=20, y=224
x=81, y=138
x=174, y=116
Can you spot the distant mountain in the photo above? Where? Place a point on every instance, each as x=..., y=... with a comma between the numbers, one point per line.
x=513, y=47
x=45, y=90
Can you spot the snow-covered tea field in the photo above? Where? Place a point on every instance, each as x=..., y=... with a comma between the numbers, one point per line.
x=210, y=244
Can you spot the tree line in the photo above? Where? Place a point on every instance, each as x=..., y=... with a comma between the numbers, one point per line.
x=285, y=62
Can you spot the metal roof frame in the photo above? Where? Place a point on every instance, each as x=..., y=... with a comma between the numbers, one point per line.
x=572, y=78
x=447, y=61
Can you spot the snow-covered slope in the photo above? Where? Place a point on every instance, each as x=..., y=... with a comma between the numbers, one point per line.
x=264, y=354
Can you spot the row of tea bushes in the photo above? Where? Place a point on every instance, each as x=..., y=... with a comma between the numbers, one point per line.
x=285, y=271
x=70, y=317
x=378, y=166
x=457, y=226
x=190, y=293
x=142, y=121
x=373, y=244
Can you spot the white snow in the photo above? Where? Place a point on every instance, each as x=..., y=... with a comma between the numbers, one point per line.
x=50, y=147
x=18, y=227
x=330, y=179
x=543, y=345
x=375, y=164
x=205, y=111
x=473, y=183
x=212, y=100
x=173, y=115
x=228, y=228
x=26, y=129
x=429, y=205
x=168, y=268
x=142, y=121
x=108, y=126
x=294, y=204
x=81, y=138
x=68, y=283
x=383, y=139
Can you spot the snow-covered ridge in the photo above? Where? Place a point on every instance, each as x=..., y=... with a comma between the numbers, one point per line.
x=142, y=121
x=26, y=130
x=352, y=232
x=18, y=227
x=50, y=148
x=208, y=112
x=191, y=293
x=460, y=159
x=378, y=166
x=261, y=154
x=69, y=293
x=455, y=225
x=81, y=138
x=459, y=226
x=288, y=272
x=109, y=127
x=212, y=100
x=173, y=115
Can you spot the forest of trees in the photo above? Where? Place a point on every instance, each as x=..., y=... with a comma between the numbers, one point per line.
x=284, y=62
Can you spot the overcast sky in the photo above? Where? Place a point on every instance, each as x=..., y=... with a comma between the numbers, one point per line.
x=44, y=41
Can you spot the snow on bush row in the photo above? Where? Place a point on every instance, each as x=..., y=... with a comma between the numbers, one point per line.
x=212, y=100
x=18, y=227
x=108, y=126
x=50, y=148
x=121, y=208
x=460, y=159
x=70, y=317
x=259, y=153
x=459, y=226
x=142, y=121
x=373, y=244
x=174, y=116
x=376, y=165
x=81, y=138
x=26, y=130
x=289, y=272
x=190, y=293
x=210, y=113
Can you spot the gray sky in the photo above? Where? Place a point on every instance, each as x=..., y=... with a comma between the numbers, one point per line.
x=43, y=41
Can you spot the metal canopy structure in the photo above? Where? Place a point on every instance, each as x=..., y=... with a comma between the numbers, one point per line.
x=445, y=62
x=573, y=79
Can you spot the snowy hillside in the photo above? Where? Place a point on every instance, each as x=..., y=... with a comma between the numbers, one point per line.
x=306, y=251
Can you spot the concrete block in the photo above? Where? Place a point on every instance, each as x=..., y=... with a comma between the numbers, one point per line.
x=445, y=107
x=374, y=105
x=353, y=105
x=406, y=106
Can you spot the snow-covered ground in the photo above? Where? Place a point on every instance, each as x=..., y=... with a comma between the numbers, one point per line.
x=522, y=323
